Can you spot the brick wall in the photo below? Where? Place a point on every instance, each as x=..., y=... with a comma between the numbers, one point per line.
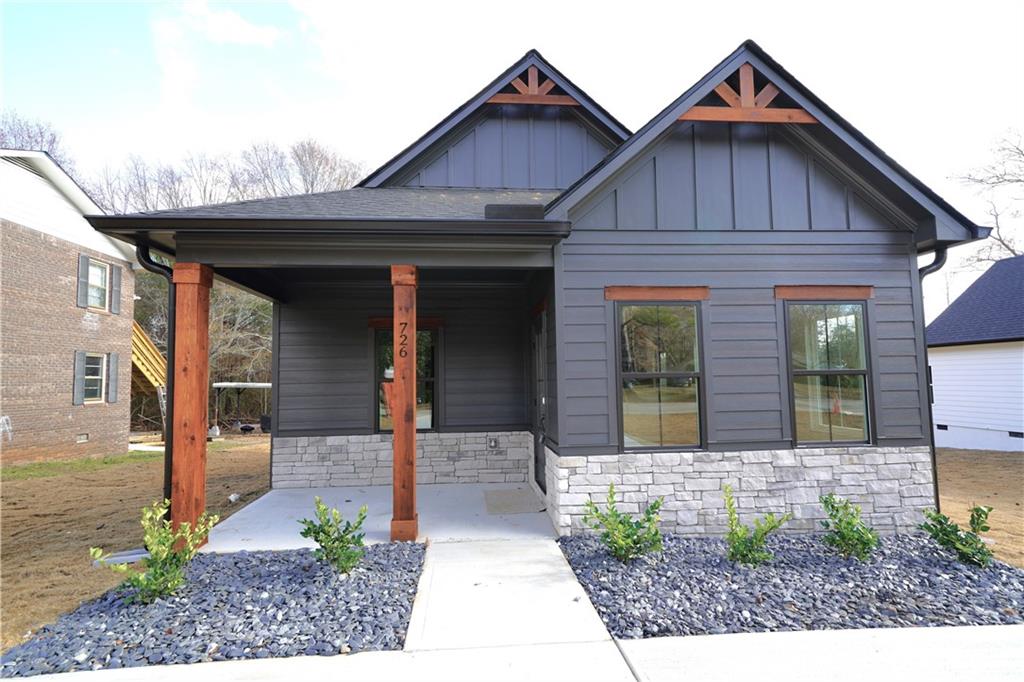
x=40, y=329
x=892, y=485
x=323, y=461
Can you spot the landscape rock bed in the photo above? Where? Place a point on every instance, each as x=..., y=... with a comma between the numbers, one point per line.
x=234, y=606
x=692, y=589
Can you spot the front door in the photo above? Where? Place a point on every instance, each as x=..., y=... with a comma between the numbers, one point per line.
x=538, y=354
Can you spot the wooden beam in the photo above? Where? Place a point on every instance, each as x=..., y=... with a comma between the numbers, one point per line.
x=641, y=293
x=824, y=292
x=192, y=282
x=421, y=322
x=743, y=115
x=727, y=94
x=532, y=79
x=404, y=520
x=765, y=97
x=546, y=87
x=515, y=98
x=519, y=85
x=747, y=86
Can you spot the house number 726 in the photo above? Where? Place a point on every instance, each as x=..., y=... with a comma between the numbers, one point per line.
x=403, y=340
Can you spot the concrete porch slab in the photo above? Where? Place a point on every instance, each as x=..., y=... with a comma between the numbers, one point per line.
x=993, y=653
x=447, y=512
x=500, y=593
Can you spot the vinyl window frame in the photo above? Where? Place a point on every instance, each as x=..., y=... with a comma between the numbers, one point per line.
x=702, y=428
x=107, y=285
x=436, y=339
x=865, y=372
x=102, y=398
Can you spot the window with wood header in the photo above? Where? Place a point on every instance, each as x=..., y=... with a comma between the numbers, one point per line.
x=426, y=344
x=660, y=375
x=829, y=371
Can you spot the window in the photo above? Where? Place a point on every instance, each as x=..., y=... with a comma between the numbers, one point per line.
x=660, y=375
x=95, y=377
x=385, y=371
x=99, y=277
x=828, y=361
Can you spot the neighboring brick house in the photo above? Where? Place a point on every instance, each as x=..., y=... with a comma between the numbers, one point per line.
x=66, y=306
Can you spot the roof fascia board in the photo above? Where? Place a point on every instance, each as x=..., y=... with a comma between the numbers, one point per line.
x=558, y=209
x=454, y=119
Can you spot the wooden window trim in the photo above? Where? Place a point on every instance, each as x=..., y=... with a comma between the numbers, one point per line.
x=642, y=293
x=102, y=398
x=422, y=323
x=823, y=292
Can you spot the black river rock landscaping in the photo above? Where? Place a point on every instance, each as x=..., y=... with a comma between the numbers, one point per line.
x=234, y=606
x=692, y=589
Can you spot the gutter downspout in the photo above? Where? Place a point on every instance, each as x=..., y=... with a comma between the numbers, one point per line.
x=146, y=261
x=934, y=266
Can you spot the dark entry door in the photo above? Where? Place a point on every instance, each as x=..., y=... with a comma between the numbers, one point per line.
x=538, y=352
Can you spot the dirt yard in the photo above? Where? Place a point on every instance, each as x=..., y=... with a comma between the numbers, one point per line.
x=995, y=479
x=53, y=513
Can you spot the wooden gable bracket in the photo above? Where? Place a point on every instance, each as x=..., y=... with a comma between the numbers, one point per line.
x=746, y=107
x=532, y=92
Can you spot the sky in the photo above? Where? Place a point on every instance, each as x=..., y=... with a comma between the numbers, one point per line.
x=934, y=84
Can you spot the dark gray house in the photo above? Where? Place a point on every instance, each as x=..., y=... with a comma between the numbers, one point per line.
x=730, y=294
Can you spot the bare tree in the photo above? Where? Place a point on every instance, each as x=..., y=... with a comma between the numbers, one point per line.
x=1002, y=182
x=17, y=132
x=321, y=170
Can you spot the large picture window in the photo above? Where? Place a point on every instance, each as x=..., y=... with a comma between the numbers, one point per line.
x=660, y=373
x=828, y=360
x=426, y=343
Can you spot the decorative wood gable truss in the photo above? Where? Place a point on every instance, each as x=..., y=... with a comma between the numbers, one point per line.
x=533, y=91
x=746, y=106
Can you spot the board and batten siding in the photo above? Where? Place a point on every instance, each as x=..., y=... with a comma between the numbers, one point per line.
x=324, y=380
x=738, y=208
x=513, y=147
x=979, y=394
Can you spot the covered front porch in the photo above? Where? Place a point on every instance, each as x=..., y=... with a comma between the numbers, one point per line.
x=447, y=513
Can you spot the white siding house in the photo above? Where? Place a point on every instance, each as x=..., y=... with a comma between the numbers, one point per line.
x=976, y=353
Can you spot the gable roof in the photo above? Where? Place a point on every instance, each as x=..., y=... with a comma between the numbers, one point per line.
x=949, y=225
x=595, y=112
x=992, y=309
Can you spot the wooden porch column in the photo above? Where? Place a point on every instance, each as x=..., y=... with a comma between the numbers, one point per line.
x=404, y=521
x=192, y=282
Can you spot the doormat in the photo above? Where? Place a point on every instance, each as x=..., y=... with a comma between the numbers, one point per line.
x=517, y=501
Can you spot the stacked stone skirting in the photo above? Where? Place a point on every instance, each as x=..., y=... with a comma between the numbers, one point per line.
x=325, y=461
x=891, y=484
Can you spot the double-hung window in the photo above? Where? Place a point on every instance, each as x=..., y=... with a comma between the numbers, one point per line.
x=828, y=361
x=95, y=378
x=660, y=374
x=99, y=285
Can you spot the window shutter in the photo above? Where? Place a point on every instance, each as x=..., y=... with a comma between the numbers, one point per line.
x=83, y=281
x=112, y=378
x=115, y=289
x=78, y=391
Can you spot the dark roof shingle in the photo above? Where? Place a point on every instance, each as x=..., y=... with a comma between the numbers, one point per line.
x=992, y=309
x=353, y=204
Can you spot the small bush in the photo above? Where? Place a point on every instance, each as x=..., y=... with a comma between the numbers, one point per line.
x=626, y=538
x=341, y=542
x=846, y=531
x=746, y=546
x=170, y=549
x=967, y=545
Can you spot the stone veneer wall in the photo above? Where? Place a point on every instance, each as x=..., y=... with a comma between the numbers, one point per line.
x=891, y=484
x=324, y=461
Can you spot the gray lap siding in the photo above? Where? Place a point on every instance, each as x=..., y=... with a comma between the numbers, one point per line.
x=746, y=386
x=324, y=382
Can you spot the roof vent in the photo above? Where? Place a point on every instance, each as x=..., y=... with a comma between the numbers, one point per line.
x=514, y=211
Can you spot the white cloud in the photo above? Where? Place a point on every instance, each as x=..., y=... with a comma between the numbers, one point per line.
x=225, y=26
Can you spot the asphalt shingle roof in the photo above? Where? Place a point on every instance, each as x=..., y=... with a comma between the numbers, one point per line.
x=377, y=203
x=992, y=309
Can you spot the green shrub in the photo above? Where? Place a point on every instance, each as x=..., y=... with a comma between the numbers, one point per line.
x=170, y=549
x=341, y=542
x=745, y=545
x=846, y=531
x=625, y=537
x=967, y=545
